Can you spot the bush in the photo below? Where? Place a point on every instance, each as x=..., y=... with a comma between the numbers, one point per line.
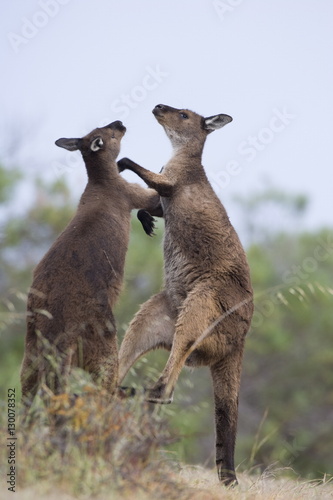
x=87, y=443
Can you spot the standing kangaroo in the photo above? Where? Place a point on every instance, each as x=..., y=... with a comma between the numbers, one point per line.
x=205, y=309
x=77, y=283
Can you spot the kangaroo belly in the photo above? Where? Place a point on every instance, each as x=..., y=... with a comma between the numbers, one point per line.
x=185, y=266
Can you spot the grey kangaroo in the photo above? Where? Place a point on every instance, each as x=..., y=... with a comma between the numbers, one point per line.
x=76, y=284
x=205, y=310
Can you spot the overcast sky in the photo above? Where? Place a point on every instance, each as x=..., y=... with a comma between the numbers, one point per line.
x=71, y=65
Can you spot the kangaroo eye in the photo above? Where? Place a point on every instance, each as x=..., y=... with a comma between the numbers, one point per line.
x=184, y=115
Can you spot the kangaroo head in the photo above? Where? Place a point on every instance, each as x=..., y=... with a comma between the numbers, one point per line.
x=100, y=143
x=183, y=126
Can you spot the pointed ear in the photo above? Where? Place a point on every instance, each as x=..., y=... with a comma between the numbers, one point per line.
x=212, y=123
x=96, y=144
x=70, y=144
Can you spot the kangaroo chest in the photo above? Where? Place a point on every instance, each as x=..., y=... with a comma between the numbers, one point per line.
x=186, y=252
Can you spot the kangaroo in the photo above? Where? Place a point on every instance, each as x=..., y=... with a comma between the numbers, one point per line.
x=204, y=311
x=76, y=284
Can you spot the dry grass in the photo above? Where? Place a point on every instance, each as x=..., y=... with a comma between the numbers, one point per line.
x=85, y=446
x=191, y=483
x=271, y=485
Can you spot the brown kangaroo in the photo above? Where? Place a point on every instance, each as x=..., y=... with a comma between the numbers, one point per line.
x=76, y=284
x=205, y=309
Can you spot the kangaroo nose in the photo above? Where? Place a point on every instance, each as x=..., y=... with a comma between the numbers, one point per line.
x=159, y=109
x=117, y=125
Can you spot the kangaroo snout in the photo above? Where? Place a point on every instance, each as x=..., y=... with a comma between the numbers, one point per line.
x=117, y=125
x=161, y=108
x=158, y=110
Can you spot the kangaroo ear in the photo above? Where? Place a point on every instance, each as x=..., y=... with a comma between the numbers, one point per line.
x=212, y=123
x=70, y=144
x=96, y=144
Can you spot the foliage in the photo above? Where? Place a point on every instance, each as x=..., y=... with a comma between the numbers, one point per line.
x=288, y=360
x=88, y=445
x=260, y=211
x=8, y=181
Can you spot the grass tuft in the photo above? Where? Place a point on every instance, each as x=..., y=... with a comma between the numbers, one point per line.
x=87, y=443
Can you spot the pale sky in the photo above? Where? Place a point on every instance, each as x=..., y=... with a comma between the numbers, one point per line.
x=72, y=65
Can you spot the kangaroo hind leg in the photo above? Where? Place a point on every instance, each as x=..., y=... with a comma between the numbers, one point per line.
x=198, y=313
x=152, y=327
x=226, y=381
x=101, y=355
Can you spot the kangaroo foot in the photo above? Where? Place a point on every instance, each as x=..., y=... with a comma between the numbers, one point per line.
x=157, y=395
x=154, y=395
x=125, y=392
x=227, y=477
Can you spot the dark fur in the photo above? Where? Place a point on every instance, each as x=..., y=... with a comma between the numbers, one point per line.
x=207, y=282
x=77, y=283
